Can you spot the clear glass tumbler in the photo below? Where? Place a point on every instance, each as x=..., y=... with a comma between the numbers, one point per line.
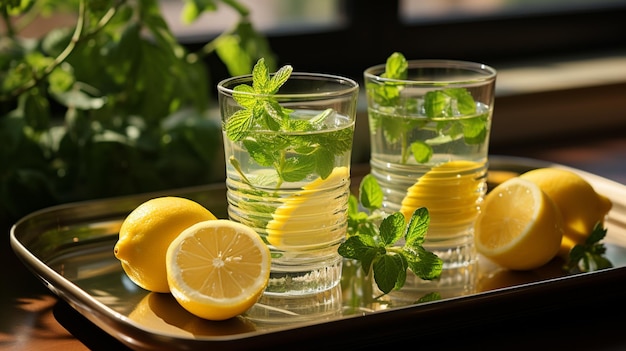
x=288, y=172
x=429, y=135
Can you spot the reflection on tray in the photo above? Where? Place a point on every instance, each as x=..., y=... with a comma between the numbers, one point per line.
x=163, y=314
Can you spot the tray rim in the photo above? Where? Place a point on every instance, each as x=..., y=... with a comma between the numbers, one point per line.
x=125, y=330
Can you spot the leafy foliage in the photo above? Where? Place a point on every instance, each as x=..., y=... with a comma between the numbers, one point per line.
x=113, y=106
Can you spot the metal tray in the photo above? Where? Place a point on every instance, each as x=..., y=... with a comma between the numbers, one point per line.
x=70, y=248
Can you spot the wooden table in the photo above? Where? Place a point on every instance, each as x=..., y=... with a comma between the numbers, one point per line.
x=32, y=318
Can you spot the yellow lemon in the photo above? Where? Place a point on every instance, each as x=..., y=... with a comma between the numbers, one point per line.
x=519, y=226
x=217, y=269
x=146, y=234
x=451, y=192
x=313, y=217
x=580, y=205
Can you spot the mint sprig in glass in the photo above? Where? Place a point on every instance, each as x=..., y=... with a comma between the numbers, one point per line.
x=450, y=112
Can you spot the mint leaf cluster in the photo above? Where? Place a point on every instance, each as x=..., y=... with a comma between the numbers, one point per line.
x=442, y=106
x=589, y=256
x=310, y=151
x=377, y=246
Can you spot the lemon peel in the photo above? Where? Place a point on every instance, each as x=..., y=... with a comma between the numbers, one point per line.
x=580, y=205
x=147, y=232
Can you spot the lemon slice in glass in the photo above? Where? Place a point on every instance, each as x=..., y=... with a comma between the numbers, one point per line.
x=451, y=192
x=315, y=216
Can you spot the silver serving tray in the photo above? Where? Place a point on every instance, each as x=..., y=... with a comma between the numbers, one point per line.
x=70, y=248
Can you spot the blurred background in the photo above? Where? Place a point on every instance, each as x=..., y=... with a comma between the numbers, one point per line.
x=561, y=86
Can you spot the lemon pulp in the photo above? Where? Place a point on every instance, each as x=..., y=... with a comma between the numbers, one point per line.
x=217, y=269
x=519, y=226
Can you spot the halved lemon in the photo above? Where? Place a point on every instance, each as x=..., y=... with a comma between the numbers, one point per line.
x=316, y=216
x=519, y=226
x=217, y=269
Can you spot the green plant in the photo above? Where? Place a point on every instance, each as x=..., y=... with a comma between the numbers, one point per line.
x=113, y=106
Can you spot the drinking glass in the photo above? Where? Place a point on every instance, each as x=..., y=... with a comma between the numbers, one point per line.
x=429, y=145
x=290, y=181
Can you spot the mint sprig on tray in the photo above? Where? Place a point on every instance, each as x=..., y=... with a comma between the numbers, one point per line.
x=377, y=246
x=589, y=256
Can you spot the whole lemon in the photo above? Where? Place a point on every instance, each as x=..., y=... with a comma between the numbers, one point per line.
x=146, y=234
x=580, y=205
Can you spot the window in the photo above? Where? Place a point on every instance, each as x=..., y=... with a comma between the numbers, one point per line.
x=346, y=36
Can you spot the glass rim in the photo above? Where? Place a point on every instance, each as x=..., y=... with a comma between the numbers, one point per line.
x=351, y=85
x=487, y=73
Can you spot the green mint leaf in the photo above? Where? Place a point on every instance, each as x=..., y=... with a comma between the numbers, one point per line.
x=238, y=125
x=389, y=272
x=361, y=248
x=260, y=77
x=437, y=104
x=294, y=156
x=278, y=79
x=422, y=262
x=596, y=235
x=242, y=95
x=297, y=168
x=465, y=104
x=324, y=162
x=392, y=228
x=371, y=195
x=417, y=228
x=422, y=152
x=475, y=130
x=396, y=66
x=590, y=255
x=259, y=153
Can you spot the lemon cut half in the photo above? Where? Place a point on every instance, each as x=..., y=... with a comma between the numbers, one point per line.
x=217, y=269
x=519, y=226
